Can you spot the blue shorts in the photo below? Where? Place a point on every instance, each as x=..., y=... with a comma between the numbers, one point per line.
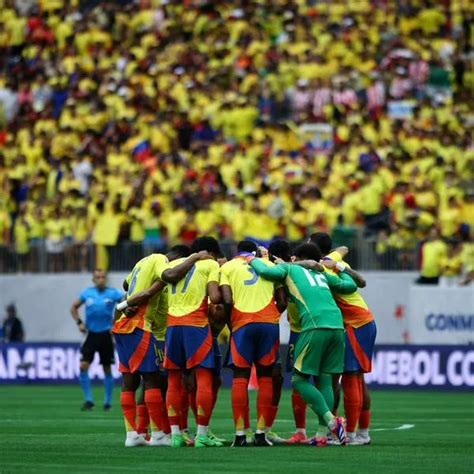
x=360, y=348
x=254, y=343
x=188, y=346
x=290, y=355
x=160, y=356
x=136, y=351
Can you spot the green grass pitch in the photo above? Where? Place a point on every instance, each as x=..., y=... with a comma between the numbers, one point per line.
x=42, y=430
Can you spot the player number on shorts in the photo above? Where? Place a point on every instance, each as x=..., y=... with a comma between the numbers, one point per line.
x=254, y=278
x=316, y=279
x=189, y=275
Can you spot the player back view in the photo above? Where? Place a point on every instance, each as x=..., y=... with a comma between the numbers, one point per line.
x=255, y=339
x=189, y=340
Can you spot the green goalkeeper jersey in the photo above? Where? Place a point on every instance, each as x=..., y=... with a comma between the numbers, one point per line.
x=311, y=291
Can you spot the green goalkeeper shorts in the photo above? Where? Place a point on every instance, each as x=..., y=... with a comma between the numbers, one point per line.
x=320, y=351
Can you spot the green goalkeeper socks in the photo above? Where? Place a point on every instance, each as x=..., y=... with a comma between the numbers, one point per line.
x=312, y=396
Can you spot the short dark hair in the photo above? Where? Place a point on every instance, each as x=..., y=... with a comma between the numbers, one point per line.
x=308, y=251
x=178, y=251
x=280, y=249
x=322, y=240
x=246, y=246
x=210, y=244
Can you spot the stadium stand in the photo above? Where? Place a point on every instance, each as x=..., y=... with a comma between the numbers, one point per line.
x=125, y=126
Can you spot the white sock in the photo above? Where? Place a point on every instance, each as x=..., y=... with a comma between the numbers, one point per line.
x=351, y=435
x=175, y=430
x=364, y=432
x=301, y=430
x=240, y=433
x=331, y=423
x=157, y=434
x=132, y=434
x=202, y=430
x=257, y=431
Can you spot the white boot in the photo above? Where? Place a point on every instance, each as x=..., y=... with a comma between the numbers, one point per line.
x=133, y=439
x=158, y=438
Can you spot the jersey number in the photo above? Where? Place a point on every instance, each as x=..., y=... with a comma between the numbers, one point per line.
x=134, y=281
x=189, y=275
x=316, y=279
x=254, y=278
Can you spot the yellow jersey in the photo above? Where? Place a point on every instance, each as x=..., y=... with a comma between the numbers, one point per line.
x=187, y=299
x=432, y=254
x=253, y=296
x=150, y=316
x=355, y=311
x=294, y=317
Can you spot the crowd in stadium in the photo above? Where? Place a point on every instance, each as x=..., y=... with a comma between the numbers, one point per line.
x=157, y=121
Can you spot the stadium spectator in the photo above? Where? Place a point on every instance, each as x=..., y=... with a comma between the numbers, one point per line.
x=214, y=105
x=433, y=252
x=12, y=326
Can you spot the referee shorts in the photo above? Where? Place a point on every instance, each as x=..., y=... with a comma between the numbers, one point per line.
x=100, y=342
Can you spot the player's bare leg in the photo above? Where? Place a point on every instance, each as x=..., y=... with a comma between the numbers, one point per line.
x=363, y=435
x=130, y=384
x=154, y=403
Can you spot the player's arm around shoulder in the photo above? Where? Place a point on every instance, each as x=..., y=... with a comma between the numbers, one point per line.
x=338, y=265
x=343, y=283
x=270, y=272
x=173, y=274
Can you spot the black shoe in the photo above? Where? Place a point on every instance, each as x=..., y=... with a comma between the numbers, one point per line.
x=240, y=441
x=107, y=407
x=261, y=440
x=88, y=406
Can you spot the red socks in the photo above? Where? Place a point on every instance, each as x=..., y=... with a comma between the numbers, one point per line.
x=271, y=415
x=173, y=397
x=264, y=402
x=364, y=420
x=352, y=386
x=204, y=399
x=192, y=403
x=299, y=410
x=184, y=408
x=154, y=404
x=240, y=403
x=129, y=409
x=143, y=419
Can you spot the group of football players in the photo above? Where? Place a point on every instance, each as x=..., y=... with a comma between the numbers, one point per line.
x=176, y=306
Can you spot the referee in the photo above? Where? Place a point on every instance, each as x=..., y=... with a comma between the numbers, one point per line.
x=100, y=302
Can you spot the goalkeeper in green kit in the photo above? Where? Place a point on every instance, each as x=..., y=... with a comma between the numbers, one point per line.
x=319, y=351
